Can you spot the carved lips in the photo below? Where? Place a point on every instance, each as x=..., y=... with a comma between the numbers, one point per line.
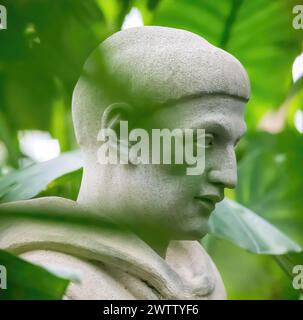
x=208, y=202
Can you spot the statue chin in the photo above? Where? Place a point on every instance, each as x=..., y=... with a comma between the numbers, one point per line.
x=197, y=85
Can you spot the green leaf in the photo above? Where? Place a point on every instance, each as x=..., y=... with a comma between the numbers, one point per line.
x=231, y=221
x=250, y=276
x=288, y=262
x=10, y=140
x=152, y=4
x=27, y=183
x=26, y=281
x=270, y=179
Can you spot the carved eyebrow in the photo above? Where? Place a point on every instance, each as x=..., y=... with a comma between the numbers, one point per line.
x=217, y=128
x=210, y=125
x=199, y=95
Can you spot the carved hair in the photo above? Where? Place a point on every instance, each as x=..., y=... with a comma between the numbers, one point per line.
x=158, y=63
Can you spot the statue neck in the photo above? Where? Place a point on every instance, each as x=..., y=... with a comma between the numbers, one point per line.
x=159, y=245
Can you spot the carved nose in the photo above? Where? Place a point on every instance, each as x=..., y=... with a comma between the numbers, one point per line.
x=225, y=171
x=228, y=177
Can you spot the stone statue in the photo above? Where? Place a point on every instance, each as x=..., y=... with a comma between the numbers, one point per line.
x=187, y=83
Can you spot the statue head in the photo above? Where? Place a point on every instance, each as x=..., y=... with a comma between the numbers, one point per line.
x=163, y=78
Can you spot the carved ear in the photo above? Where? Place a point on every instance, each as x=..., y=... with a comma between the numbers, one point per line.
x=111, y=118
x=115, y=113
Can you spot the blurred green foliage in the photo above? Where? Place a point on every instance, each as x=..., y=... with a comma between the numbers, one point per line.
x=41, y=56
x=30, y=282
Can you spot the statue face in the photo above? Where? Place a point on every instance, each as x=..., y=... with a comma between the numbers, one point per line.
x=176, y=203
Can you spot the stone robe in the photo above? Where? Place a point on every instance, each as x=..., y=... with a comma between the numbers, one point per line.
x=112, y=265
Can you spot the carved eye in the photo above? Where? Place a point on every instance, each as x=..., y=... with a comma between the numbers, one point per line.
x=208, y=143
x=209, y=140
